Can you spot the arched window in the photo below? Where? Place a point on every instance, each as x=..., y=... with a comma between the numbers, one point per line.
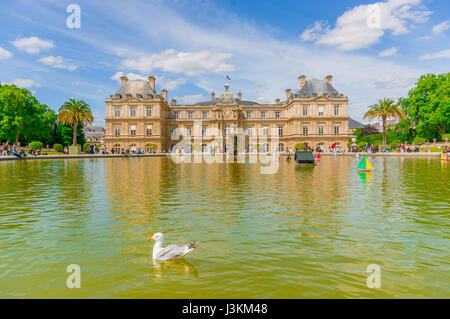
x=117, y=148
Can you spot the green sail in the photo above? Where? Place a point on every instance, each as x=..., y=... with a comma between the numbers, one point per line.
x=362, y=163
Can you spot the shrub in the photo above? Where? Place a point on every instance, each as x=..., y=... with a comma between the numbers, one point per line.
x=361, y=146
x=87, y=147
x=446, y=136
x=300, y=146
x=36, y=145
x=395, y=144
x=435, y=149
x=419, y=140
x=58, y=147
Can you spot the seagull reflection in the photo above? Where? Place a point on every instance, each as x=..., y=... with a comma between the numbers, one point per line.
x=162, y=268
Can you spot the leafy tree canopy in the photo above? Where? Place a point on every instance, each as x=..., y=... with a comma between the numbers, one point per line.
x=427, y=106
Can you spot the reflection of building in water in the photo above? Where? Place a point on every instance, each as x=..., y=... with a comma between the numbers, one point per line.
x=137, y=116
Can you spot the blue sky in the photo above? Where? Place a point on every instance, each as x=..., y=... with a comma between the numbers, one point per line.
x=372, y=49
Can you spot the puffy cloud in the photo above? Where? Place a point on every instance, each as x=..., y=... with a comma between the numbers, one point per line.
x=130, y=76
x=4, y=54
x=364, y=25
x=441, y=27
x=388, y=52
x=25, y=83
x=438, y=55
x=33, y=45
x=189, y=63
x=57, y=62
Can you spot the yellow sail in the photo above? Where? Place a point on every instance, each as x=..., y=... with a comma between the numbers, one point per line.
x=368, y=165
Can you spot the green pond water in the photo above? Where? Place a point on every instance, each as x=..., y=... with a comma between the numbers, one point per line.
x=304, y=232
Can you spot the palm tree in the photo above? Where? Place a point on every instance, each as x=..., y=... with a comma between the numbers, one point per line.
x=74, y=112
x=384, y=108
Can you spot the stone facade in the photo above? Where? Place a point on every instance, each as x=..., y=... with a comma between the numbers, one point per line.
x=139, y=117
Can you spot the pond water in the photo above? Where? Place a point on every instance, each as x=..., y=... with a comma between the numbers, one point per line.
x=304, y=232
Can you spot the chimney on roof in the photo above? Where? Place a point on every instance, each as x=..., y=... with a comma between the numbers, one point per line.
x=151, y=82
x=301, y=81
x=288, y=93
x=164, y=94
x=329, y=79
x=123, y=80
x=239, y=96
x=277, y=101
x=213, y=96
x=174, y=101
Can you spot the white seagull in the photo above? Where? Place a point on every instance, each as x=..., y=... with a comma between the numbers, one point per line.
x=170, y=251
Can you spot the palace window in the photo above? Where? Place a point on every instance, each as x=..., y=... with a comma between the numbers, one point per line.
x=133, y=130
x=320, y=129
x=249, y=114
x=149, y=130
x=189, y=115
x=175, y=114
x=205, y=115
x=277, y=115
x=250, y=131
x=280, y=147
x=117, y=148
x=203, y=131
x=336, y=129
x=132, y=111
x=305, y=110
x=227, y=129
x=265, y=131
x=280, y=131
x=263, y=114
x=188, y=131
x=117, y=130
x=305, y=129
x=173, y=131
x=336, y=110
x=149, y=111
x=321, y=110
x=117, y=111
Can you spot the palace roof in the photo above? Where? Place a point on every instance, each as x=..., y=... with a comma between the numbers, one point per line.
x=316, y=88
x=136, y=88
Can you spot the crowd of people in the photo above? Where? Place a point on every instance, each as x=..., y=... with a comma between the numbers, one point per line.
x=12, y=150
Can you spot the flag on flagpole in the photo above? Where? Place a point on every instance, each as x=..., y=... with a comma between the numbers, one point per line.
x=228, y=78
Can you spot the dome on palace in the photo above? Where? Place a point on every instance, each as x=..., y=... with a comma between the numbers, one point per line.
x=136, y=88
x=227, y=97
x=316, y=88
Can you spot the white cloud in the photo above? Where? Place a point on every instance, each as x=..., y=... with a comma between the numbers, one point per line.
x=33, y=45
x=388, y=52
x=312, y=33
x=57, y=62
x=171, y=84
x=395, y=83
x=189, y=63
x=364, y=25
x=437, y=55
x=130, y=76
x=441, y=27
x=190, y=99
x=4, y=54
x=25, y=83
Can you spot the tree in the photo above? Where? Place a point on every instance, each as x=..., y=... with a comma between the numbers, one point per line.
x=63, y=134
x=22, y=117
x=384, y=108
x=427, y=106
x=74, y=113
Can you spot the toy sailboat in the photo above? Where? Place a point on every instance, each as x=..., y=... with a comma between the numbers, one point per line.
x=444, y=157
x=364, y=165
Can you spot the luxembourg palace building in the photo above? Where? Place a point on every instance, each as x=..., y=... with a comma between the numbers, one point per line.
x=139, y=117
